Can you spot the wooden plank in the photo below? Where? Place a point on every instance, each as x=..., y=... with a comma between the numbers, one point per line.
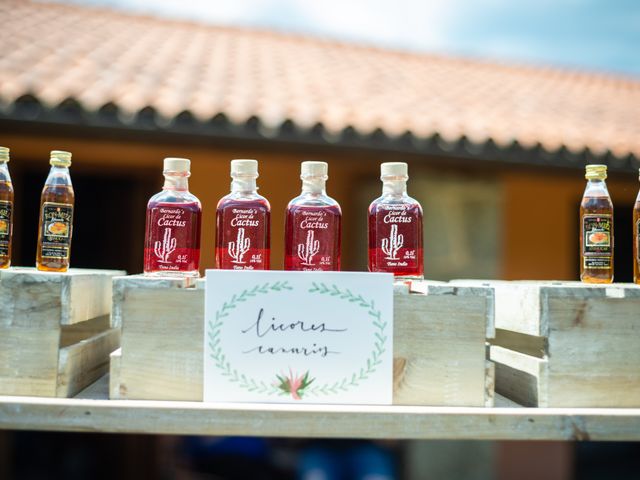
x=312, y=421
x=84, y=362
x=114, y=374
x=439, y=357
x=520, y=377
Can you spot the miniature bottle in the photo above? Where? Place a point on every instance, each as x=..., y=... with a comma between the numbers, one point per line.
x=596, y=228
x=395, y=226
x=6, y=209
x=313, y=224
x=243, y=221
x=172, y=238
x=56, y=216
x=636, y=240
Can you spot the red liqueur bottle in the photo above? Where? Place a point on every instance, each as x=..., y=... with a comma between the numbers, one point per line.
x=395, y=226
x=243, y=222
x=172, y=239
x=313, y=224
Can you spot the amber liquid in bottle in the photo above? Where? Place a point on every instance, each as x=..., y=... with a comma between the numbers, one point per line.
x=636, y=240
x=596, y=233
x=6, y=210
x=56, y=217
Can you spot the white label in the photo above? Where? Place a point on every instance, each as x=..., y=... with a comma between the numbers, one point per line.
x=298, y=337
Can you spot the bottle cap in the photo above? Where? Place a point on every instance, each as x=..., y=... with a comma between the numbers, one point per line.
x=60, y=158
x=394, y=169
x=178, y=165
x=596, y=172
x=244, y=166
x=4, y=154
x=314, y=169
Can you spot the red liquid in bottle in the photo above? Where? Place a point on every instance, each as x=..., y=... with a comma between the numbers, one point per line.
x=243, y=234
x=312, y=238
x=172, y=242
x=395, y=239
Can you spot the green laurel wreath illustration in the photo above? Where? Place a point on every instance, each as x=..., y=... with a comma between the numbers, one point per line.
x=259, y=386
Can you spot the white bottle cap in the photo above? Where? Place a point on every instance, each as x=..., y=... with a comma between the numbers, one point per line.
x=394, y=169
x=314, y=169
x=177, y=165
x=244, y=167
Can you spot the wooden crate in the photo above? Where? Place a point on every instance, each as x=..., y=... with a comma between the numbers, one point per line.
x=55, y=333
x=439, y=342
x=567, y=344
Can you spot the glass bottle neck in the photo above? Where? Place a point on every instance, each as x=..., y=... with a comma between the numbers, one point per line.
x=244, y=184
x=314, y=185
x=58, y=176
x=4, y=173
x=596, y=187
x=176, y=181
x=394, y=187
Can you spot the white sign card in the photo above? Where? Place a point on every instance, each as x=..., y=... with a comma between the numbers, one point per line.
x=298, y=337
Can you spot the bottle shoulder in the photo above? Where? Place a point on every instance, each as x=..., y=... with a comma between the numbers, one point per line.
x=174, y=197
x=243, y=200
x=313, y=201
x=386, y=202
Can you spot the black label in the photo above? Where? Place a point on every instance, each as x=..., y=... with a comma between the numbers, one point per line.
x=597, y=262
x=57, y=224
x=6, y=210
x=597, y=232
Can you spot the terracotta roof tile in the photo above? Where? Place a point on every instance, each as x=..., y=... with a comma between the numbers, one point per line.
x=98, y=57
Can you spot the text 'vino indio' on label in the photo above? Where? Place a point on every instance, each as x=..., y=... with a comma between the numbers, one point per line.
x=57, y=226
x=6, y=211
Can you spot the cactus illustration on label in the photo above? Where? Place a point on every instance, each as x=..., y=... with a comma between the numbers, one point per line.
x=391, y=245
x=166, y=247
x=238, y=248
x=307, y=251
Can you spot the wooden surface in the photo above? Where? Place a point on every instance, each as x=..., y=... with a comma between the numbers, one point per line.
x=93, y=413
x=54, y=330
x=439, y=342
x=568, y=344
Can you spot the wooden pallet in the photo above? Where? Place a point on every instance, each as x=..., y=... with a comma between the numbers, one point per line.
x=439, y=342
x=55, y=333
x=567, y=344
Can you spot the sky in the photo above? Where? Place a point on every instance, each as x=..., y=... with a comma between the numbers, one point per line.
x=590, y=35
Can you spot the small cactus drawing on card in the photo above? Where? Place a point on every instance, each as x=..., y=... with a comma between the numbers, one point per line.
x=293, y=384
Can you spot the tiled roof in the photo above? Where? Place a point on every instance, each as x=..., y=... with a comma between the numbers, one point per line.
x=130, y=66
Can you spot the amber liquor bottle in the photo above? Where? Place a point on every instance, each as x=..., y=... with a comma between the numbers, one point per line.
x=56, y=216
x=243, y=222
x=636, y=239
x=6, y=209
x=395, y=226
x=596, y=228
x=313, y=224
x=172, y=238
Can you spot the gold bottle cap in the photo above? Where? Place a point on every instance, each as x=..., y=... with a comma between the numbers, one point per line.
x=60, y=158
x=4, y=154
x=596, y=172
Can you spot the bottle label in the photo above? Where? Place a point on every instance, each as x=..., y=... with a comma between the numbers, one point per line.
x=57, y=226
x=172, y=239
x=244, y=243
x=6, y=211
x=397, y=233
x=315, y=241
x=598, y=248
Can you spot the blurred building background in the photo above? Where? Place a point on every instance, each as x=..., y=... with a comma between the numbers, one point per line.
x=496, y=153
